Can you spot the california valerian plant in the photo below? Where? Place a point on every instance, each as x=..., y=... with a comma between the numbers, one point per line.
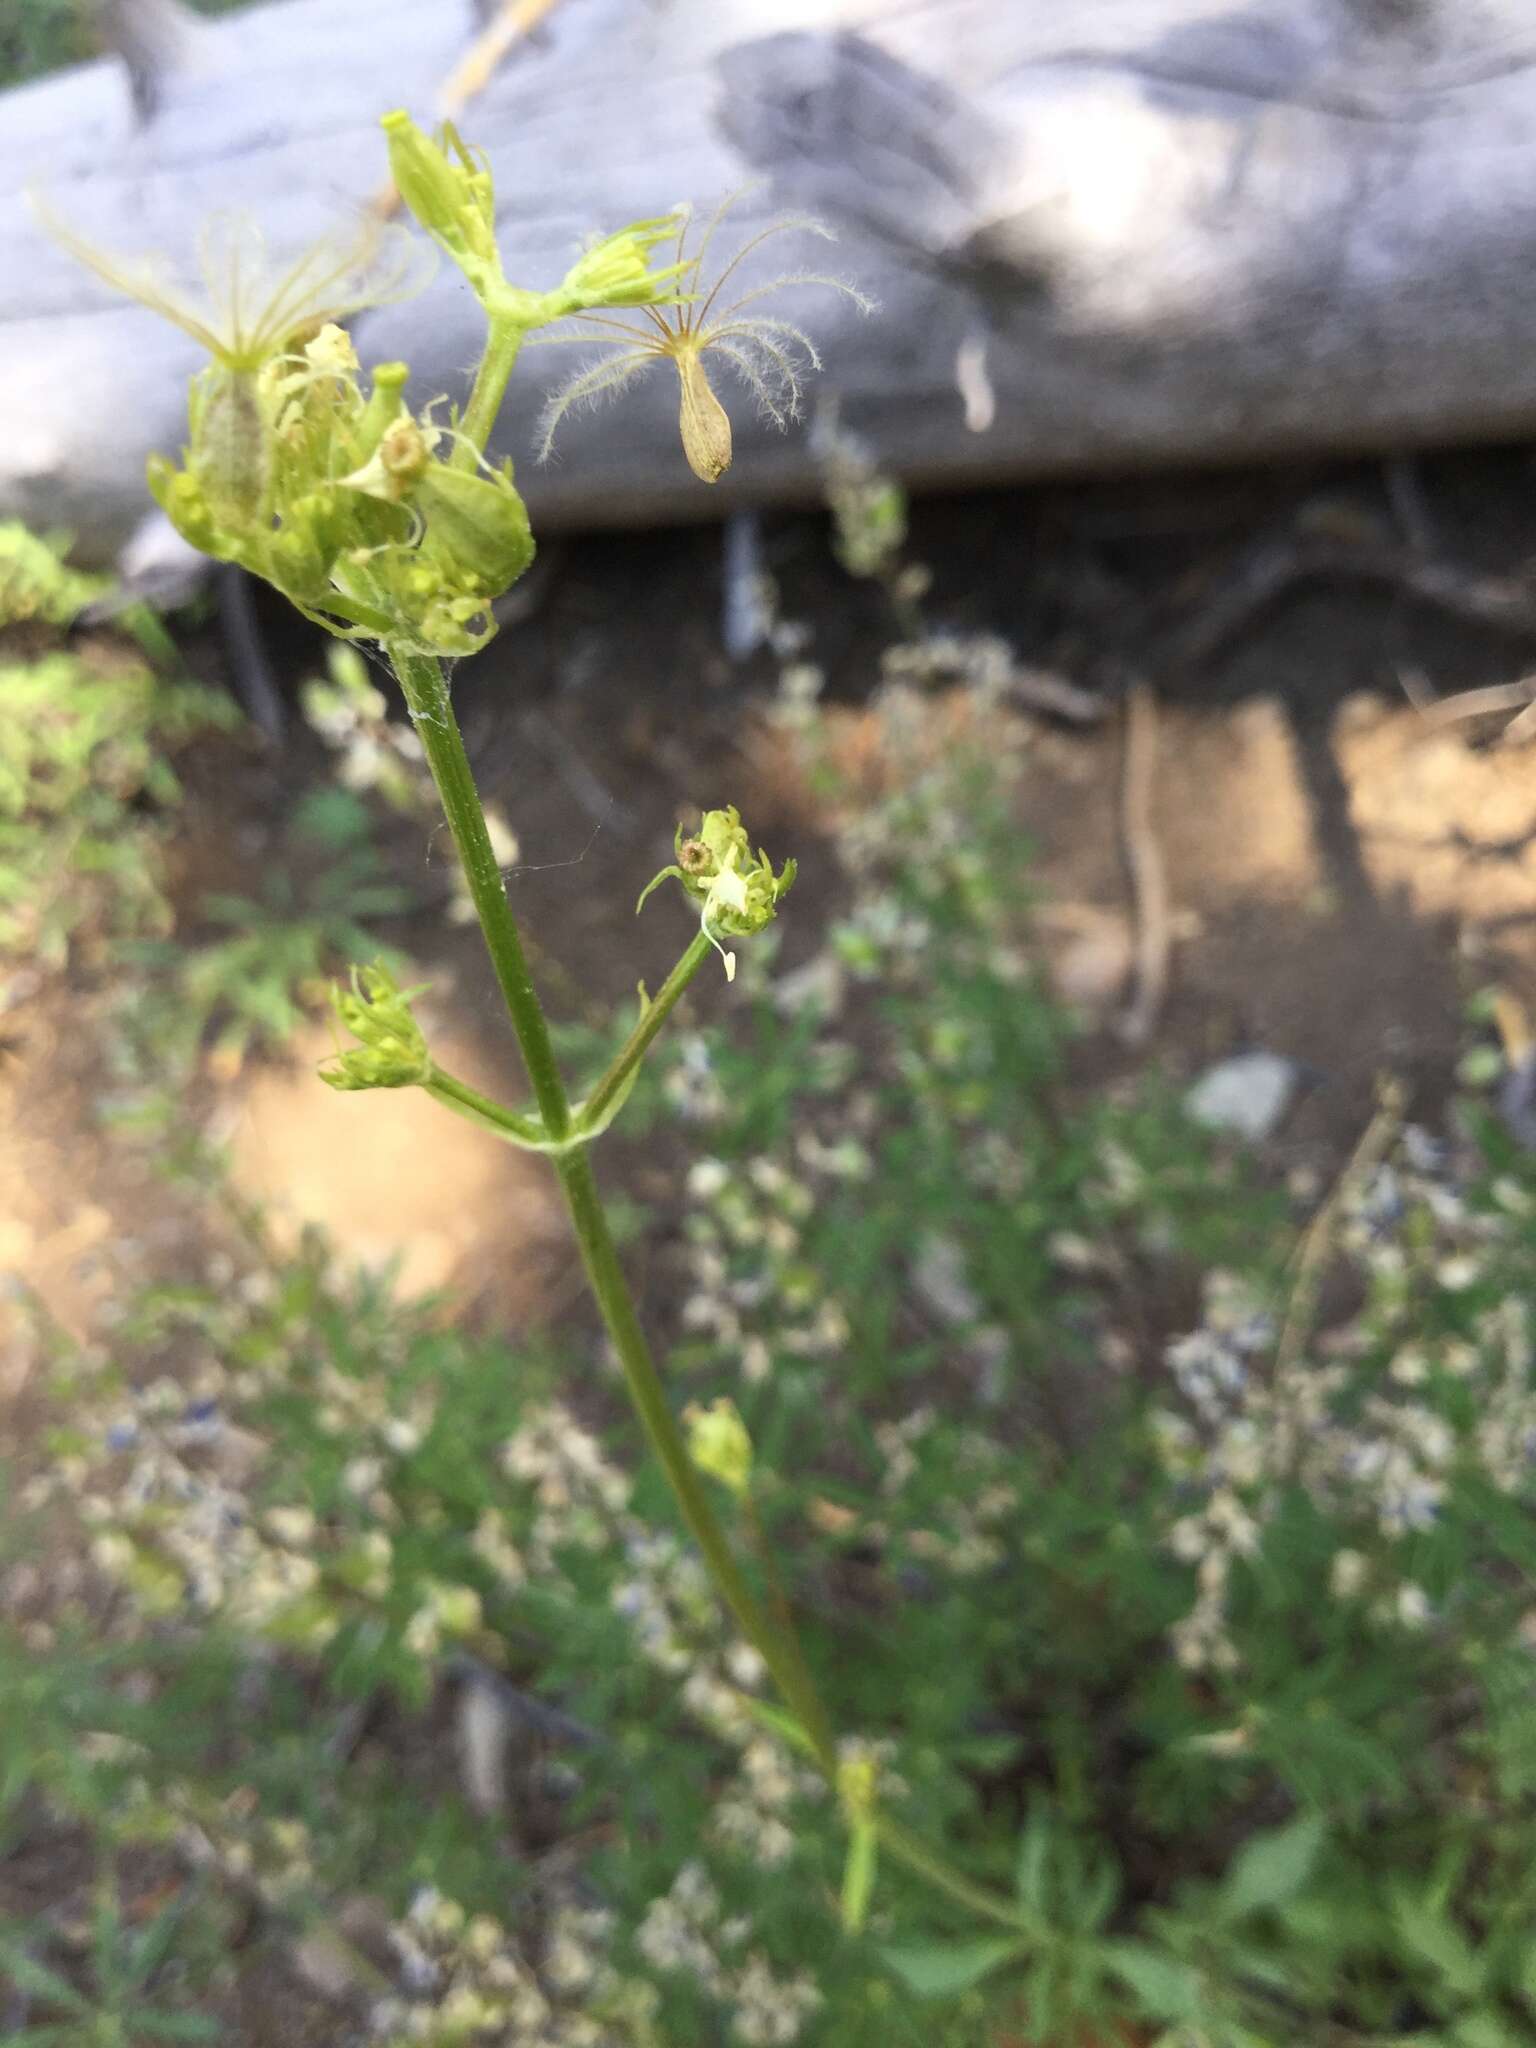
x=388, y=526
x=1104, y=1575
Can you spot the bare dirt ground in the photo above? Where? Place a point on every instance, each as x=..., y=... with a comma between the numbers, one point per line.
x=1340, y=868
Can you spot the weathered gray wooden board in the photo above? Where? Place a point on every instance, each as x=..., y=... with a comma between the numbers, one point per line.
x=1171, y=230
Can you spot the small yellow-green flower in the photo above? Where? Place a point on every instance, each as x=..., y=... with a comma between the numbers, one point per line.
x=718, y=1444
x=736, y=890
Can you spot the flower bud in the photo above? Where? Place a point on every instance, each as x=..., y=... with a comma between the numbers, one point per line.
x=857, y=1781
x=718, y=1444
x=385, y=404
x=449, y=190
x=180, y=497
x=392, y=1050
x=616, y=271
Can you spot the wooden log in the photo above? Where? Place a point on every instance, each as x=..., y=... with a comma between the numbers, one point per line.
x=1146, y=231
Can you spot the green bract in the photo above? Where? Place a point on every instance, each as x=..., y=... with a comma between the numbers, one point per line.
x=737, y=892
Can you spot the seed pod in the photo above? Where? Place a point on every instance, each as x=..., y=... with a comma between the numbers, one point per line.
x=230, y=455
x=702, y=420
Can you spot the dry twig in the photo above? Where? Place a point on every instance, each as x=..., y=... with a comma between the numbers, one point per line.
x=1444, y=711
x=1316, y=1244
x=1268, y=572
x=1144, y=859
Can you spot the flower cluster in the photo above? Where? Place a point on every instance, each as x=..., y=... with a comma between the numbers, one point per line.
x=753, y=1816
x=688, y=1932
x=737, y=893
x=755, y=1291
x=269, y=1857
x=762, y=1301
x=376, y=522
x=172, y=1478
x=465, y=1978
x=358, y=511
x=391, y=1049
x=1374, y=1424
x=658, y=1586
x=449, y=189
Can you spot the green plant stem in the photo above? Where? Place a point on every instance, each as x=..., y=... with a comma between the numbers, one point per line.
x=639, y=1040
x=900, y=1843
x=757, y=1537
x=600, y=1258
x=479, y=1109
x=426, y=695
x=503, y=344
